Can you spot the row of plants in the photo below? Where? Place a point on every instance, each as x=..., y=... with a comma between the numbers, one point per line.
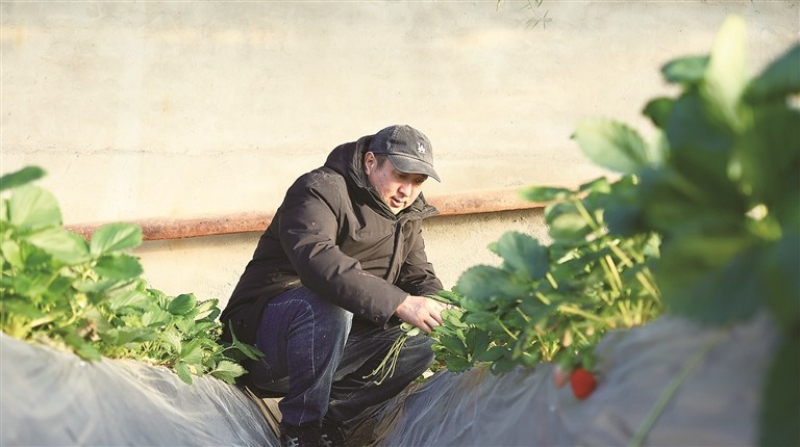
x=90, y=297
x=703, y=222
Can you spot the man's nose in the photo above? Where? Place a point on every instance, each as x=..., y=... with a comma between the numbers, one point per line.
x=406, y=188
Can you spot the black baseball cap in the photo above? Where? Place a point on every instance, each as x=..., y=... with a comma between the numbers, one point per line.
x=408, y=149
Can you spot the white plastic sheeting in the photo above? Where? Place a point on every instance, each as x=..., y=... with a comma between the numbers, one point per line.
x=51, y=398
x=54, y=398
x=716, y=404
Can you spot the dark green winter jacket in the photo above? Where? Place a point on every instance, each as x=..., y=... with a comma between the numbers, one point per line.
x=334, y=235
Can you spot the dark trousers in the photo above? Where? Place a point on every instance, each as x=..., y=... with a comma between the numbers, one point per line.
x=320, y=358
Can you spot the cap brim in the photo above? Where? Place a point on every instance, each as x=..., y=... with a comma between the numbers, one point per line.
x=411, y=165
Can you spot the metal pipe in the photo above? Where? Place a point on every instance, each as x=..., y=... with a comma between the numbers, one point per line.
x=476, y=202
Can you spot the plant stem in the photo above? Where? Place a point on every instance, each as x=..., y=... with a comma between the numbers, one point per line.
x=583, y=339
x=645, y=281
x=39, y=321
x=551, y=280
x=575, y=311
x=543, y=298
x=620, y=254
x=609, y=279
x=672, y=387
x=510, y=334
x=587, y=217
x=614, y=272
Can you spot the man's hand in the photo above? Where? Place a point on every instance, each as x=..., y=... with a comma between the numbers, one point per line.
x=422, y=312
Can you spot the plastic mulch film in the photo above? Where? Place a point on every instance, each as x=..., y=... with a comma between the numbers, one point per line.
x=709, y=381
x=49, y=397
x=716, y=375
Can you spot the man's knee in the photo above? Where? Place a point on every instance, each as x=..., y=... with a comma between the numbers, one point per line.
x=327, y=317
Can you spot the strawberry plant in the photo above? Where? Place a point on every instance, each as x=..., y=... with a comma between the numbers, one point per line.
x=552, y=303
x=704, y=218
x=89, y=297
x=726, y=200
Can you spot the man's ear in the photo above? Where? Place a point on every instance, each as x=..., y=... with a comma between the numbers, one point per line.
x=370, y=162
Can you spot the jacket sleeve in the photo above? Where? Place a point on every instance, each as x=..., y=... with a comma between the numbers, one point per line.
x=308, y=228
x=417, y=276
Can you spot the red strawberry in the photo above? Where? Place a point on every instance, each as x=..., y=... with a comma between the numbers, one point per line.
x=560, y=376
x=582, y=383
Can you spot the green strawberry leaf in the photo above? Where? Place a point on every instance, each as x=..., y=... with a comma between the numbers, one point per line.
x=780, y=79
x=114, y=237
x=228, y=371
x=612, y=145
x=780, y=406
x=182, y=369
x=685, y=70
x=118, y=266
x=182, y=304
x=63, y=245
x=658, y=111
x=545, y=194
x=22, y=177
x=726, y=74
x=521, y=252
x=31, y=208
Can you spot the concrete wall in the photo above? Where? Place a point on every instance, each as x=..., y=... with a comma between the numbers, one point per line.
x=174, y=109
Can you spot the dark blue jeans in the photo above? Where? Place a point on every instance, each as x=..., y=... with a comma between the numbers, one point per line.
x=319, y=357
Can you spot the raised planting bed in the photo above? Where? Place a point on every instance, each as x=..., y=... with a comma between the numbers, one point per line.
x=671, y=382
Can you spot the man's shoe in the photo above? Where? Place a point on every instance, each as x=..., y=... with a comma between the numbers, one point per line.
x=332, y=435
x=305, y=435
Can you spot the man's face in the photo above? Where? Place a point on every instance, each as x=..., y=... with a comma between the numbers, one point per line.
x=397, y=189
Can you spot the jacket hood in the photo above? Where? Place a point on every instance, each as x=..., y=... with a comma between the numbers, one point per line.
x=347, y=160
